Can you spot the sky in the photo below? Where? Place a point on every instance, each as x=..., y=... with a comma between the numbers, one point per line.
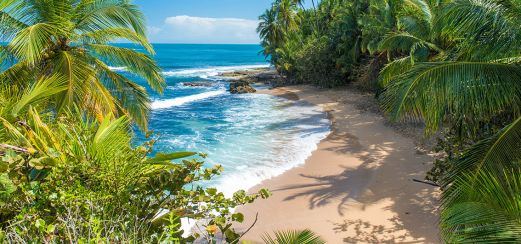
x=203, y=21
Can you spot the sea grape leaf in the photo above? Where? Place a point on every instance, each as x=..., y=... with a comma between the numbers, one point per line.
x=239, y=217
x=6, y=186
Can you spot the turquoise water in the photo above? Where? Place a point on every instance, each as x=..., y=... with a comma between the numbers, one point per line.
x=254, y=136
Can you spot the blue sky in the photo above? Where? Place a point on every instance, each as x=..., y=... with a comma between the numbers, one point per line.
x=203, y=21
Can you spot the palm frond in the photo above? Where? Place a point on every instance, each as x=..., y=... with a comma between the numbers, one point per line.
x=19, y=73
x=29, y=44
x=483, y=208
x=136, y=62
x=9, y=26
x=493, y=27
x=78, y=74
x=404, y=42
x=40, y=91
x=394, y=69
x=111, y=136
x=495, y=154
x=474, y=90
x=293, y=237
x=105, y=36
x=132, y=97
x=99, y=15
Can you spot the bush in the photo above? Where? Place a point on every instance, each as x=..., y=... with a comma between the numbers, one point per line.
x=75, y=179
x=315, y=64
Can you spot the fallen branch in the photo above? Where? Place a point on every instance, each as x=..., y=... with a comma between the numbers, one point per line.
x=426, y=182
x=14, y=148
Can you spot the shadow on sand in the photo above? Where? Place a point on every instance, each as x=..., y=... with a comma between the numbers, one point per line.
x=385, y=168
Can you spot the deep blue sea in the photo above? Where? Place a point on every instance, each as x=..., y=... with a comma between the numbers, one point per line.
x=254, y=136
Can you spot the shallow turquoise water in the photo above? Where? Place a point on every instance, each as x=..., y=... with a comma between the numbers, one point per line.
x=254, y=136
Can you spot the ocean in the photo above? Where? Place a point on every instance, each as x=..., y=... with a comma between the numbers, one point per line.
x=253, y=136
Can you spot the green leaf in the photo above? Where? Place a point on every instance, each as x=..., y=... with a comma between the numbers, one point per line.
x=29, y=44
x=211, y=191
x=264, y=193
x=50, y=229
x=160, y=157
x=496, y=153
x=39, y=223
x=239, y=217
x=7, y=187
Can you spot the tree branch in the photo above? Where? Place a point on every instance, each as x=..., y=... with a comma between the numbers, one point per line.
x=426, y=182
x=14, y=148
x=248, y=230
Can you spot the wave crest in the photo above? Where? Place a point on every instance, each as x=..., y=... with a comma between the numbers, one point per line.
x=211, y=71
x=174, y=102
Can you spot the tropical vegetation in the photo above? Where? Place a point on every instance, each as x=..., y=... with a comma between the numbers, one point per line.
x=69, y=169
x=453, y=65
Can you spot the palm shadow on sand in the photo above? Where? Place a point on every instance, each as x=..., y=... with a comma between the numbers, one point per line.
x=353, y=187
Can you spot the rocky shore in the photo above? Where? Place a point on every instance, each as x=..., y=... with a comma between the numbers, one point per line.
x=243, y=81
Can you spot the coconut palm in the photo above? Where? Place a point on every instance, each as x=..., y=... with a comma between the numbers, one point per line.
x=474, y=89
x=380, y=19
x=71, y=38
x=269, y=29
x=415, y=36
x=287, y=14
x=478, y=81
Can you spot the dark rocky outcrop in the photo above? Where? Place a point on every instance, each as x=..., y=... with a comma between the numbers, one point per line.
x=240, y=87
x=198, y=84
x=241, y=81
x=242, y=73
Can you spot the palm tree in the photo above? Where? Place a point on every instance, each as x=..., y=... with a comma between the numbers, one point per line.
x=269, y=29
x=287, y=14
x=414, y=35
x=475, y=82
x=71, y=38
x=379, y=20
x=461, y=81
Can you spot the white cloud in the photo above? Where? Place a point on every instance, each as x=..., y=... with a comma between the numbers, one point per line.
x=152, y=30
x=188, y=29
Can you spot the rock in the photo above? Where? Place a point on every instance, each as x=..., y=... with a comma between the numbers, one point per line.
x=243, y=73
x=198, y=84
x=240, y=87
x=267, y=76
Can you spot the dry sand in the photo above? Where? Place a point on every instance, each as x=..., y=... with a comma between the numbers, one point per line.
x=357, y=187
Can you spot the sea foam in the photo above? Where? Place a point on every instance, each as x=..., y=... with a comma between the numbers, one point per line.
x=210, y=72
x=174, y=102
x=290, y=132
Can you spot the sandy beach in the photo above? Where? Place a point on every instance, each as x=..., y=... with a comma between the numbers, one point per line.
x=357, y=187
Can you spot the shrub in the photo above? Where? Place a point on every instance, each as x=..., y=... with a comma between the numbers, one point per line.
x=75, y=179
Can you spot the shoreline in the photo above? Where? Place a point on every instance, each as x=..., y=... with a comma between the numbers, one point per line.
x=356, y=186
